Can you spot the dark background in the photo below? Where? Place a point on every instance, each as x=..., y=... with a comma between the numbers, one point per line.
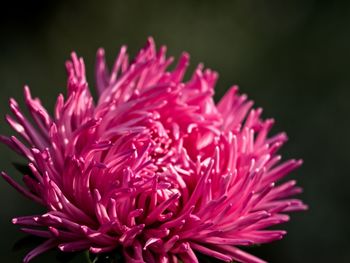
x=291, y=57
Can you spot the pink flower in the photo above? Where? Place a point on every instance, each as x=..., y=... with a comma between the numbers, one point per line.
x=154, y=167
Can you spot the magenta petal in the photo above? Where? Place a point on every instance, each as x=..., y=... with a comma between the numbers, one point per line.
x=154, y=167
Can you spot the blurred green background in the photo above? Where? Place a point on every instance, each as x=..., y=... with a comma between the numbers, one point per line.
x=291, y=57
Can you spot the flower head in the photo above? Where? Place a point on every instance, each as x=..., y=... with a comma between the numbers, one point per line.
x=154, y=167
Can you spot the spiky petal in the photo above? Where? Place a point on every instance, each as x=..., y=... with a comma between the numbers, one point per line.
x=154, y=168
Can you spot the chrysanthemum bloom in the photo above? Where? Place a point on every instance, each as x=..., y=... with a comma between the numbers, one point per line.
x=154, y=168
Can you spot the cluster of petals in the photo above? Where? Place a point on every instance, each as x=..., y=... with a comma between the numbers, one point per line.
x=154, y=168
